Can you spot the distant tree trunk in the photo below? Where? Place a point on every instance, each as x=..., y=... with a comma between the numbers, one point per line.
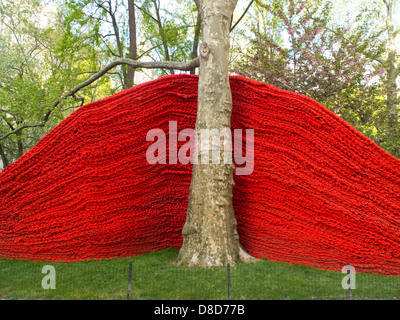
x=196, y=40
x=161, y=30
x=20, y=144
x=130, y=76
x=4, y=157
x=210, y=236
x=125, y=80
x=393, y=69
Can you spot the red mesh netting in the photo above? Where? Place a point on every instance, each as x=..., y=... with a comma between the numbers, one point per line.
x=320, y=193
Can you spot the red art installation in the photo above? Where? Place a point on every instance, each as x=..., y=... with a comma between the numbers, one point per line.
x=321, y=194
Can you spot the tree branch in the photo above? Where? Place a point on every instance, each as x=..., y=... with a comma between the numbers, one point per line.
x=8, y=123
x=241, y=17
x=147, y=51
x=145, y=12
x=69, y=108
x=25, y=126
x=183, y=66
x=386, y=3
x=381, y=61
x=108, y=47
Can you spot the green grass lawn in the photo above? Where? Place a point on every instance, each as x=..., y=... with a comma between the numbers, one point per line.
x=155, y=276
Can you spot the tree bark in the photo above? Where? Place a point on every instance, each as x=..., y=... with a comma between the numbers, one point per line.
x=4, y=157
x=130, y=76
x=210, y=236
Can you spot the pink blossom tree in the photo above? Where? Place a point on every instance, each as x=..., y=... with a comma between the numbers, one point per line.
x=333, y=64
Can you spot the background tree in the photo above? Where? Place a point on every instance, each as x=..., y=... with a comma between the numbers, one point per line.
x=378, y=15
x=38, y=64
x=152, y=33
x=114, y=29
x=170, y=35
x=49, y=70
x=61, y=45
x=298, y=46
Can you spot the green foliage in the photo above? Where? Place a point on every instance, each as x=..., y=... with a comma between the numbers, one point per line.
x=47, y=48
x=168, y=35
x=297, y=46
x=40, y=60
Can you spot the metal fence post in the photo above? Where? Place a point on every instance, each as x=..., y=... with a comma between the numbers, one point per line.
x=129, y=280
x=229, y=280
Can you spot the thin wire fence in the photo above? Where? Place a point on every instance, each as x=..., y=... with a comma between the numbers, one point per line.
x=124, y=281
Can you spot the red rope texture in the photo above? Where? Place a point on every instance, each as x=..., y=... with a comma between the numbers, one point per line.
x=321, y=194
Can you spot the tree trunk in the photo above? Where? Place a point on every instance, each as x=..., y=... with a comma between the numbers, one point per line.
x=210, y=235
x=20, y=144
x=4, y=157
x=393, y=70
x=196, y=39
x=161, y=30
x=130, y=76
